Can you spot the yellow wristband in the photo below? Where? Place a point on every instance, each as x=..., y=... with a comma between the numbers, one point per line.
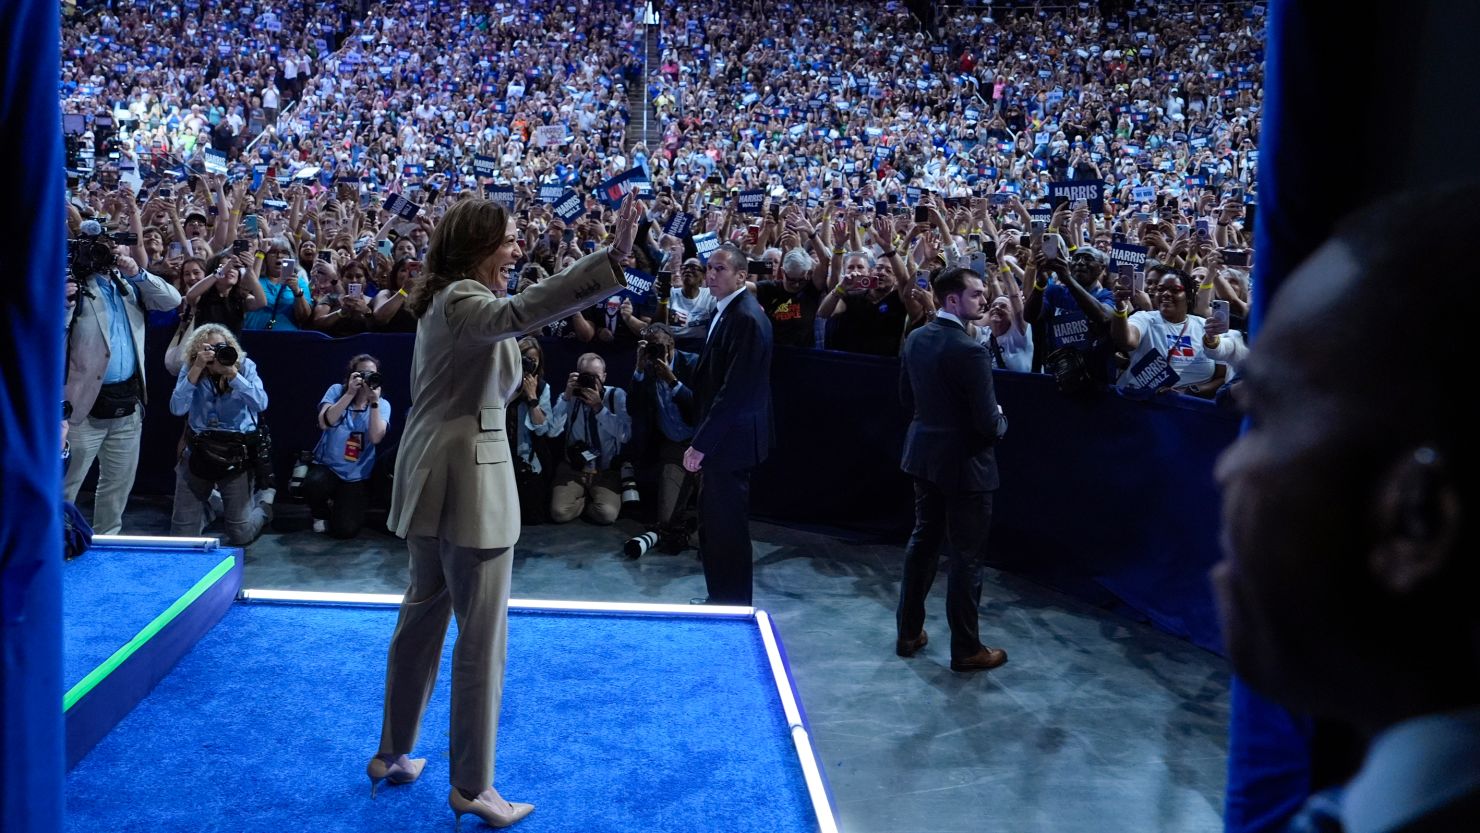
x=1040, y=285
x=840, y=290
x=401, y=292
x=1205, y=286
x=1006, y=270
x=1119, y=313
x=261, y=256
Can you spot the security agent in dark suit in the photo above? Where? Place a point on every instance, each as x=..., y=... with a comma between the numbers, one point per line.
x=946, y=380
x=733, y=384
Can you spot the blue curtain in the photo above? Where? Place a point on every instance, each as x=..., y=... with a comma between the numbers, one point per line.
x=30, y=419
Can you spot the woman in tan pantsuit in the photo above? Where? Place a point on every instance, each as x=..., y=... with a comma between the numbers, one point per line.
x=454, y=500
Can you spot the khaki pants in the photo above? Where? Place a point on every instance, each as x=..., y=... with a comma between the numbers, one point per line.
x=114, y=443
x=594, y=497
x=472, y=584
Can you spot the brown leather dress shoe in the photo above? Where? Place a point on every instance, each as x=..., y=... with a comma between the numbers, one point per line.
x=909, y=647
x=985, y=659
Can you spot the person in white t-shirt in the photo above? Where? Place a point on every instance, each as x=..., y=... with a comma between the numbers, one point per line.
x=1168, y=330
x=690, y=304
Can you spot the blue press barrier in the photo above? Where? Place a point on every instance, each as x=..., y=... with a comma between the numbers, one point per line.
x=1103, y=497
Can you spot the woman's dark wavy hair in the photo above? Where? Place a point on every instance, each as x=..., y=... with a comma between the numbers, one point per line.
x=471, y=231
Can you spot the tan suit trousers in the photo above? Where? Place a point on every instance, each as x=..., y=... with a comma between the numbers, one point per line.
x=473, y=585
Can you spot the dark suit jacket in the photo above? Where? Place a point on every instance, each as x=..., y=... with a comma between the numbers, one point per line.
x=642, y=405
x=945, y=377
x=733, y=385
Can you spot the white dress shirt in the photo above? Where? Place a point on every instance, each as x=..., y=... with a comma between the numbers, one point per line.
x=720, y=306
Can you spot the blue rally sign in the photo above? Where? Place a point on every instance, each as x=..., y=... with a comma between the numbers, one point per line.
x=1092, y=191
x=570, y=206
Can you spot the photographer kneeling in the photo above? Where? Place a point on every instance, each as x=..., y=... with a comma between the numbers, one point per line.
x=354, y=419
x=218, y=390
x=594, y=420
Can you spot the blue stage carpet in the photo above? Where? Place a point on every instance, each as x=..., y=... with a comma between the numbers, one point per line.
x=630, y=724
x=109, y=595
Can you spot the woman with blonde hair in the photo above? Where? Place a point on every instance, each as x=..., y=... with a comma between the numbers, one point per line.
x=220, y=395
x=455, y=500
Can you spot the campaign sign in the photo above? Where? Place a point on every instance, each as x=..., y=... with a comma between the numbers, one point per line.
x=1070, y=328
x=569, y=206
x=1199, y=142
x=679, y=225
x=215, y=161
x=706, y=244
x=484, y=165
x=639, y=284
x=1040, y=214
x=549, y=135
x=1122, y=253
x=611, y=192
x=912, y=194
x=401, y=207
x=414, y=170
x=1089, y=190
x=1143, y=193
x=503, y=195
x=750, y=201
x=551, y=193
x=1152, y=373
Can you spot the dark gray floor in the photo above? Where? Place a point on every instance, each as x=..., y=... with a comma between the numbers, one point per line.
x=1096, y=722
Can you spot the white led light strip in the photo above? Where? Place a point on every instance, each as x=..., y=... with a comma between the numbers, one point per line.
x=155, y=542
x=708, y=611
x=257, y=595
x=816, y=789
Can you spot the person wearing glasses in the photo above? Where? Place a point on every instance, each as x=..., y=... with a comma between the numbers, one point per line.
x=1165, y=343
x=285, y=289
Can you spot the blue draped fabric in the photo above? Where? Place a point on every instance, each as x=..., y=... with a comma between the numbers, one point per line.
x=1268, y=747
x=30, y=417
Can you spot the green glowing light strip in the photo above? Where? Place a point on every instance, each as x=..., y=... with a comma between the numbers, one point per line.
x=97, y=675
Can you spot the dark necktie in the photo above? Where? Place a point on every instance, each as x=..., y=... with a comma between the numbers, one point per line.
x=996, y=350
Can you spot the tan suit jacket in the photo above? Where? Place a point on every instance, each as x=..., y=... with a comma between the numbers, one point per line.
x=454, y=477
x=91, y=342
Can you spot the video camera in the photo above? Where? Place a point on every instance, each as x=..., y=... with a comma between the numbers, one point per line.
x=91, y=251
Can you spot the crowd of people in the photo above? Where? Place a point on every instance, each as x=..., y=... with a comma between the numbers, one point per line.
x=167, y=81
x=849, y=154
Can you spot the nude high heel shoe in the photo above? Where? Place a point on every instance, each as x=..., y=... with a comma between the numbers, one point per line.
x=488, y=806
x=398, y=769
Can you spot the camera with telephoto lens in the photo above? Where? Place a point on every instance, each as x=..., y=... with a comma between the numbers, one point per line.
x=629, y=484
x=226, y=355
x=371, y=378
x=636, y=547
x=300, y=472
